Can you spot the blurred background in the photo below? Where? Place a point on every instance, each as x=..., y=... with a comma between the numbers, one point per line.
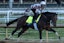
x=12, y=9
x=25, y=3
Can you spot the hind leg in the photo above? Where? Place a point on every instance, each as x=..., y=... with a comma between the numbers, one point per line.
x=17, y=28
x=52, y=30
x=22, y=31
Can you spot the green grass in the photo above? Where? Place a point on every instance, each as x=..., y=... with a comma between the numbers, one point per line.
x=32, y=34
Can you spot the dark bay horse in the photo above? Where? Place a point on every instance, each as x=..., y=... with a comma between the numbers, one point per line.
x=21, y=23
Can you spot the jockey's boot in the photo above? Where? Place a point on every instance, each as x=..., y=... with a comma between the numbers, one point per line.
x=35, y=25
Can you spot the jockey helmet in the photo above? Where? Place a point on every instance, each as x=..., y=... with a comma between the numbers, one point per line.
x=43, y=4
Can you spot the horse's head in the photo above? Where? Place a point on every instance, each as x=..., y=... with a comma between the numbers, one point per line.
x=51, y=16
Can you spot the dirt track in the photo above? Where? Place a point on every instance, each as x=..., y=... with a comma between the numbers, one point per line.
x=11, y=41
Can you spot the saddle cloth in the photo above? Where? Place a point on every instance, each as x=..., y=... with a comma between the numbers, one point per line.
x=30, y=18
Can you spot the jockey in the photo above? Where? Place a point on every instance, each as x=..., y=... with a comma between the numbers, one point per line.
x=36, y=10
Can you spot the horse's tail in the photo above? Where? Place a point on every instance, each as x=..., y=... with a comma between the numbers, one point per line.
x=11, y=22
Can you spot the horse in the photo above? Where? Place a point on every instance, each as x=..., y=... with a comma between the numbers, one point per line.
x=21, y=23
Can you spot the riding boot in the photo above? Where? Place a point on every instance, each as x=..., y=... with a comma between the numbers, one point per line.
x=35, y=26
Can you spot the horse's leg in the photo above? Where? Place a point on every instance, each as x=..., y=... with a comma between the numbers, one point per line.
x=23, y=30
x=40, y=33
x=17, y=28
x=52, y=30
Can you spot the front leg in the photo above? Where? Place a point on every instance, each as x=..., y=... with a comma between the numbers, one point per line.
x=40, y=35
x=52, y=30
